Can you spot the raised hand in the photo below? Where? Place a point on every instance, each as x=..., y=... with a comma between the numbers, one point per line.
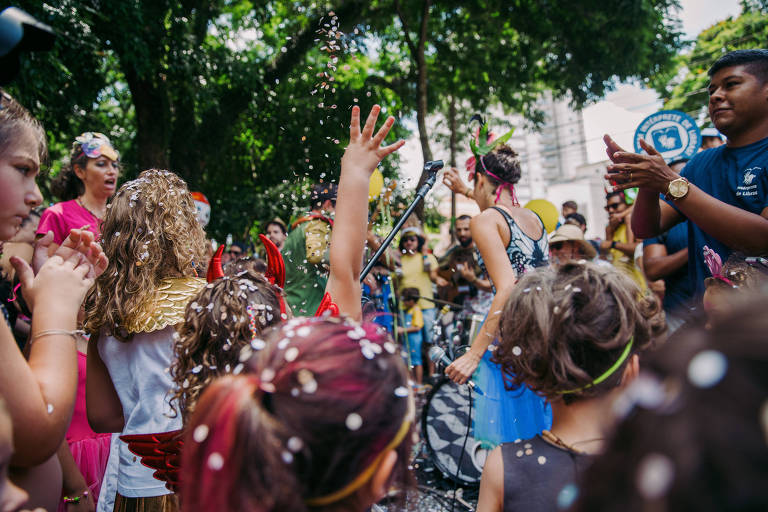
x=82, y=241
x=364, y=150
x=630, y=170
x=361, y=157
x=453, y=181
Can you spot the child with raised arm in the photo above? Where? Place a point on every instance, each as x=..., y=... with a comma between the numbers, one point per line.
x=321, y=419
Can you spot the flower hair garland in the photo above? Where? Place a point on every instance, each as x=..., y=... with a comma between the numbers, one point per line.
x=715, y=266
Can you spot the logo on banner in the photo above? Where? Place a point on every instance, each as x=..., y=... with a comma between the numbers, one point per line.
x=674, y=134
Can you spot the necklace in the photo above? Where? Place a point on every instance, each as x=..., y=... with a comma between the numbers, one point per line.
x=80, y=202
x=553, y=439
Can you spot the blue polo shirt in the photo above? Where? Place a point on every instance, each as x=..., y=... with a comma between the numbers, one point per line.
x=678, y=291
x=736, y=176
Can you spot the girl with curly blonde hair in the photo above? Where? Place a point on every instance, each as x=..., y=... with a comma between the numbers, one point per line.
x=153, y=241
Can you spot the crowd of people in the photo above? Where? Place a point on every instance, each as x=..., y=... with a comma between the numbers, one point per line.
x=132, y=383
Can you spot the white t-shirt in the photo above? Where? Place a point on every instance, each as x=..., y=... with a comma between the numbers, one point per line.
x=138, y=369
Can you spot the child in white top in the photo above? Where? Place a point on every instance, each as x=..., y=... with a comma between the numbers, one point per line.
x=154, y=241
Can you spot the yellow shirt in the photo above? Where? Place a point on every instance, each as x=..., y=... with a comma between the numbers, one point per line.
x=623, y=262
x=417, y=319
x=414, y=276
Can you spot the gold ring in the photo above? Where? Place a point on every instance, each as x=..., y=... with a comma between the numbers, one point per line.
x=630, y=175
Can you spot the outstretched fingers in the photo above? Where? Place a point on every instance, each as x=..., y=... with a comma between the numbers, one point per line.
x=370, y=123
x=383, y=131
x=354, y=124
x=387, y=150
x=648, y=148
x=610, y=146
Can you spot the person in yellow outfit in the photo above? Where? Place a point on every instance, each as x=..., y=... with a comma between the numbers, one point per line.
x=419, y=270
x=620, y=243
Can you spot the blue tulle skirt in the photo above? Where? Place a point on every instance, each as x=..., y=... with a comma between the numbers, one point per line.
x=503, y=416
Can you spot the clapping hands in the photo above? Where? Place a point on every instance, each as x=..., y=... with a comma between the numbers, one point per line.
x=65, y=275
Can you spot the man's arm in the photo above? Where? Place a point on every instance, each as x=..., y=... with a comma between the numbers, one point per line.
x=738, y=229
x=659, y=264
x=651, y=216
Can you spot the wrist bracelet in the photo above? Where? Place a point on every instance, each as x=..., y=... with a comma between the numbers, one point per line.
x=62, y=332
x=75, y=499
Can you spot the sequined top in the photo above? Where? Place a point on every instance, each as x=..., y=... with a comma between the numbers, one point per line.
x=524, y=252
x=539, y=476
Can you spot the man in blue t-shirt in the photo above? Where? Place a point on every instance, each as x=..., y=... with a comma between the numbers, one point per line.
x=722, y=192
x=666, y=257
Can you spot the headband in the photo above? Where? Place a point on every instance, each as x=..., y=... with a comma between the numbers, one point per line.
x=367, y=473
x=483, y=144
x=610, y=371
x=94, y=145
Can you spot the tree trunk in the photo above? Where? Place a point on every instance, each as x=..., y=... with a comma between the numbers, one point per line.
x=153, y=122
x=421, y=70
x=452, y=163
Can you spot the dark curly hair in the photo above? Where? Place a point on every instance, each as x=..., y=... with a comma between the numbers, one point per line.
x=217, y=325
x=748, y=273
x=562, y=328
x=66, y=185
x=502, y=162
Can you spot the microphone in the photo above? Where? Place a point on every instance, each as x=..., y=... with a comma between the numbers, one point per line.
x=438, y=356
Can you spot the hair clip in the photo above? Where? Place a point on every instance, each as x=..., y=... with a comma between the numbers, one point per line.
x=715, y=266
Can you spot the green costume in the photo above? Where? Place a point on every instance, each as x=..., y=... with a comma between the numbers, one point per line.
x=306, y=263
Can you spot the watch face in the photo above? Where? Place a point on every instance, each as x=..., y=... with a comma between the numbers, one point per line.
x=678, y=188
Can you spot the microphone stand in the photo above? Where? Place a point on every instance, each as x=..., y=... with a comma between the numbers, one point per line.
x=431, y=169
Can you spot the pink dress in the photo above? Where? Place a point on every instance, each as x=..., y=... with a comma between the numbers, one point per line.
x=89, y=449
x=62, y=217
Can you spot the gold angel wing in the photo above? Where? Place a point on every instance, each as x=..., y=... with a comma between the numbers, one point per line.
x=168, y=306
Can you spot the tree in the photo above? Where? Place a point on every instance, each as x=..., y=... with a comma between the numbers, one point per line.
x=225, y=93
x=689, y=93
x=244, y=98
x=508, y=52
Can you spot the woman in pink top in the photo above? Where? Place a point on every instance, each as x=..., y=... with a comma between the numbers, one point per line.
x=84, y=185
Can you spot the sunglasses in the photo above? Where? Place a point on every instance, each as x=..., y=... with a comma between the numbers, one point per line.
x=612, y=206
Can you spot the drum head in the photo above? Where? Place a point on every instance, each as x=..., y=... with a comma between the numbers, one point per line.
x=444, y=426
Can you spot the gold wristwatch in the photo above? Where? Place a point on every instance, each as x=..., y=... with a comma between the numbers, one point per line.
x=677, y=189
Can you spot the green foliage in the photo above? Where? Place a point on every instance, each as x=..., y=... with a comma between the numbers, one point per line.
x=249, y=99
x=686, y=87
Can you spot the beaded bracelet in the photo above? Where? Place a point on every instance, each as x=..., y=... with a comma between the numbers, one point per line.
x=75, y=499
x=52, y=332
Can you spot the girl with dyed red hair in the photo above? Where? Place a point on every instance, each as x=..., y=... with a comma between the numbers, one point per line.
x=322, y=415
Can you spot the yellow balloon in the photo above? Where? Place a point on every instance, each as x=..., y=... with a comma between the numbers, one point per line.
x=375, y=185
x=546, y=211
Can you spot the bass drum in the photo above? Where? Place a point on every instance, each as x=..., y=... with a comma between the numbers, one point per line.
x=444, y=422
